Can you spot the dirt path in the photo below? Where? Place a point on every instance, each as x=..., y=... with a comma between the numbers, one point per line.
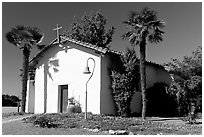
x=13, y=118
x=173, y=120
x=167, y=120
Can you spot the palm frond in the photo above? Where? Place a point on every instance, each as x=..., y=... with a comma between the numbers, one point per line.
x=145, y=10
x=16, y=32
x=155, y=38
x=128, y=23
x=134, y=39
x=132, y=36
x=12, y=38
x=22, y=36
x=143, y=24
x=127, y=35
x=20, y=27
x=156, y=24
x=148, y=15
x=35, y=33
x=157, y=30
x=133, y=17
x=22, y=32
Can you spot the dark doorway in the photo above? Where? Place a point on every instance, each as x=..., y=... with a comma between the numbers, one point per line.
x=62, y=98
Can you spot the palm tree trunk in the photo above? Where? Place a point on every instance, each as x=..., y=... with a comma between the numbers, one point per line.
x=26, y=54
x=143, y=77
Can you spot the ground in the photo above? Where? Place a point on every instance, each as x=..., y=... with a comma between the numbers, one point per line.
x=20, y=128
x=13, y=125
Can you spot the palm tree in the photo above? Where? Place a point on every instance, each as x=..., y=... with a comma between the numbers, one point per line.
x=25, y=38
x=144, y=27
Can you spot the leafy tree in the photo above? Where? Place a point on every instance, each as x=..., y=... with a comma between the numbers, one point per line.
x=125, y=81
x=25, y=38
x=144, y=27
x=91, y=29
x=187, y=84
x=8, y=100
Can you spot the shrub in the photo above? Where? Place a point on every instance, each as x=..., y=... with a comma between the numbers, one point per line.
x=187, y=81
x=184, y=97
x=45, y=121
x=124, y=81
x=76, y=120
x=123, y=90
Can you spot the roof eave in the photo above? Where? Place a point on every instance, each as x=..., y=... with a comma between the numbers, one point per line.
x=63, y=39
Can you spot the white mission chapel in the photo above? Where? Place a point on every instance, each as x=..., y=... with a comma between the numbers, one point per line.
x=58, y=75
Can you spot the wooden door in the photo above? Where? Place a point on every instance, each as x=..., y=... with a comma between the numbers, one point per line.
x=63, y=98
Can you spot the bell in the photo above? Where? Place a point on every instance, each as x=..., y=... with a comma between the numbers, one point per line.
x=86, y=70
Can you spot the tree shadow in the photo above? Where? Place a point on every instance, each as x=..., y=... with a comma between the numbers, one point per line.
x=54, y=64
x=160, y=103
x=50, y=62
x=47, y=65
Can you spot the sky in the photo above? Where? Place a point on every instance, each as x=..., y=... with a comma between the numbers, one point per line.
x=183, y=30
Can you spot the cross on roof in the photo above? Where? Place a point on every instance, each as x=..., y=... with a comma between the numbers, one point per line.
x=57, y=29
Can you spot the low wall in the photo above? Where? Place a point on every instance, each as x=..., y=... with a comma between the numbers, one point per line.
x=10, y=109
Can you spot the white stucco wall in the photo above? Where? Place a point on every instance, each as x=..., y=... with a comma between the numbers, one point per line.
x=107, y=105
x=163, y=76
x=65, y=65
x=30, y=97
x=39, y=90
x=136, y=103
x=156, y=74
x=153, y=75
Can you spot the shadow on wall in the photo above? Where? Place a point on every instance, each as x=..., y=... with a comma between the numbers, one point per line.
x=49, y=61
x=160, y=102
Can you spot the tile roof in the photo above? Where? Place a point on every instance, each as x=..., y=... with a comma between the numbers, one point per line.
x=155, y=64
x=86, y=45
x=64, y=39
x=90, y=46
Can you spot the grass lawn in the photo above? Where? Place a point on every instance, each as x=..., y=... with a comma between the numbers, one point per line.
x=21, y=128
x=66, y=123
